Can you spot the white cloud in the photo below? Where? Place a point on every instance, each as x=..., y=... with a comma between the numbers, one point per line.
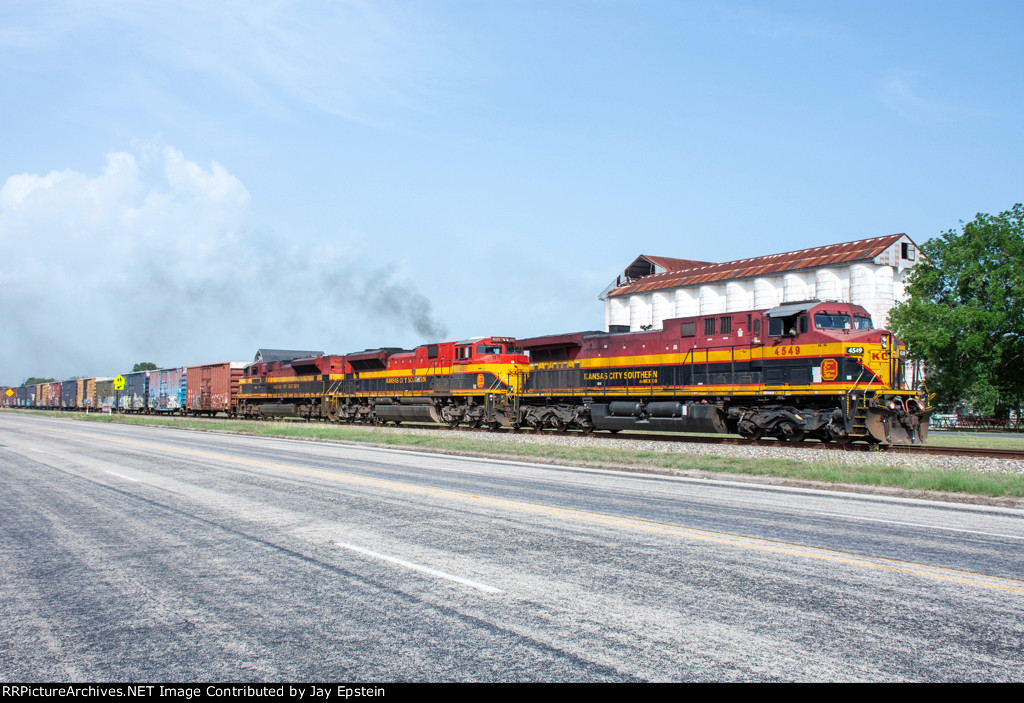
x=216, y=185
x=154, y=261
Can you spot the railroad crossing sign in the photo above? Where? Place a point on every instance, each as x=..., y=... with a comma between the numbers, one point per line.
x=119, y=382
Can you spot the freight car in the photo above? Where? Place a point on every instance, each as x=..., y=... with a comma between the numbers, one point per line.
x=213, y=388
x=134, y=397
x=167, y=390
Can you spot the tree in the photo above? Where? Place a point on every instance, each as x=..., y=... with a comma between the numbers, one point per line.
x=144, y=366
x=34, y=380
x=964, y=317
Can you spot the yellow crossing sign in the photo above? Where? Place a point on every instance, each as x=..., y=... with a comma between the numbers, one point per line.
x=118, y=382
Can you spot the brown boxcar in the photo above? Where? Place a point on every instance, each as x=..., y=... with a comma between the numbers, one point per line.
x=213, y=388
x=81, y=392
x=89, y=394
x=104, y=396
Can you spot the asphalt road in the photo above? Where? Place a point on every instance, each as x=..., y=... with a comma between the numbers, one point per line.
x=143, y=553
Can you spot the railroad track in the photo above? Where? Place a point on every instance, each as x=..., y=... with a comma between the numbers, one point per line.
x=1005, y=454
x=1008, y=454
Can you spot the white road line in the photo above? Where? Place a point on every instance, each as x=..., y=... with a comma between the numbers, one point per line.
x=424, y=569
x=918, y=524
x=126, y=478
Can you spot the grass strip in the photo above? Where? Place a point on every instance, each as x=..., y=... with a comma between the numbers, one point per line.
x=974, y=441
x=825, y=469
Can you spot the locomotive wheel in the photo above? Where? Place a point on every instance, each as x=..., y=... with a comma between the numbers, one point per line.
x=561, y=427
x=791, y=433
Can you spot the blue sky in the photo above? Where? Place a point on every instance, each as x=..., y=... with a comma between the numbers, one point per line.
x=184, y=182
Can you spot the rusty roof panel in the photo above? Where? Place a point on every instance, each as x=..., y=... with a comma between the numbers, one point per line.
x=829, y=255
x=670, y=264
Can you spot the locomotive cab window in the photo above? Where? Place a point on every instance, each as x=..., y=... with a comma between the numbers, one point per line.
x=784, y=326
x=488, y=349
x=862, y=322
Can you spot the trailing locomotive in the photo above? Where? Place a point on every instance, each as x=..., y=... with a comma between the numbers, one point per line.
x=471, y=382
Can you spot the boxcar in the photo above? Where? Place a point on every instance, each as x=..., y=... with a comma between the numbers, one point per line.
x=167, y=390
x=68, y=393
x=104, y=397
x=133, y=399
x=213, y=388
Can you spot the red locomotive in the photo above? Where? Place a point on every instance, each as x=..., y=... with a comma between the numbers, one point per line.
x=810, y=369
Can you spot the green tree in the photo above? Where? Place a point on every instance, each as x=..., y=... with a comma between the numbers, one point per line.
x=964, y=317
x=33, y=380
x=144, y=366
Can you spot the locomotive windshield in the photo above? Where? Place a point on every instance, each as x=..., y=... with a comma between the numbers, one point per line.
x=825, y=321
x=488, y=349
x=863, y=322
